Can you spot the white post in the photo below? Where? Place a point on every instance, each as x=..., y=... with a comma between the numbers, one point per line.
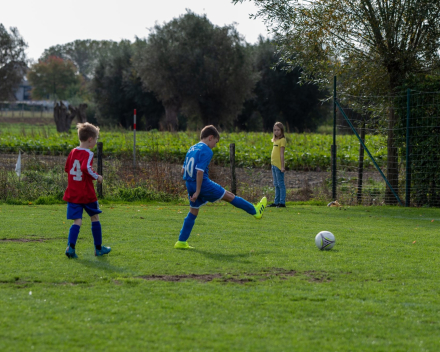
x=134, y=139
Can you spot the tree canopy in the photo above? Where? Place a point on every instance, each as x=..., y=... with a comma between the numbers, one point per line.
x=85, y=54
x=198, y=67
x=54, y=78
x=13, y=61
x=117, y=90
x=373, y=43
x=278, y=96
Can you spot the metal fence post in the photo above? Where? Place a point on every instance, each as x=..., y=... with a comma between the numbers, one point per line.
x=361, y=165
x=134, y=139
x=408, y=160
x=232, y=160
x=333, y=151
x=99, y=185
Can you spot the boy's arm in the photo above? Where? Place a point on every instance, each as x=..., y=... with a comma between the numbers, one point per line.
x=199, y=186
x=86, y=167
x=282, y=159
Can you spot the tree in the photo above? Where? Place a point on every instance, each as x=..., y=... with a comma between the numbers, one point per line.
x=375, y=44
x=54, y=78
x=13, y=61
x=117, y=90
x=85, y=54
x=278, y=96
x=64, y=115
x=194, y=66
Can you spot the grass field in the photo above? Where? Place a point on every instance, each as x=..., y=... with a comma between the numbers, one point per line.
x=247, y=286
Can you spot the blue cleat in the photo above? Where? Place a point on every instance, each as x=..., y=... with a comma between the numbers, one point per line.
x=70, y=252
x=102, y=251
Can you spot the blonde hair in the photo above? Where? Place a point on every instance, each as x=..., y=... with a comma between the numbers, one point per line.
x=281, y=127
x=87, y=130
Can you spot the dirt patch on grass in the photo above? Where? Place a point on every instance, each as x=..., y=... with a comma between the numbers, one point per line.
x=24, y=239
x=31, y=239
x=235, y=278
x=317, y=276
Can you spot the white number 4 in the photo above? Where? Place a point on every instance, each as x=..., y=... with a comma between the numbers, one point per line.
x=76, y=171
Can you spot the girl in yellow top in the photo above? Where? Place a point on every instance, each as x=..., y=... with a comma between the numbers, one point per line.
x=277, y=161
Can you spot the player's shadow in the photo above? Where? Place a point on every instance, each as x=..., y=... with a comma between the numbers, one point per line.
x=222, y=257
x=101, y=264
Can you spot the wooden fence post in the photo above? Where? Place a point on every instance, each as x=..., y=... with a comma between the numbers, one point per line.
x=232, y=160
x=99, y=185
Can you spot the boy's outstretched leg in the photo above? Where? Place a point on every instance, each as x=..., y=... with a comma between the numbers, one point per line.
x=188, y=224
x=238, y=202
x=73, y=237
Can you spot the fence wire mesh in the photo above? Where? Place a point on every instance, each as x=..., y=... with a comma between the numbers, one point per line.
x=407, y=120
x=401, y=132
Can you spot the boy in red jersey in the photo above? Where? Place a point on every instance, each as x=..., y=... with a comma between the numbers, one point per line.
x=80, y=194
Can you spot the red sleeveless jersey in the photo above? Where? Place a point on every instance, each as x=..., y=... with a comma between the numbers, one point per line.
x=80, y=188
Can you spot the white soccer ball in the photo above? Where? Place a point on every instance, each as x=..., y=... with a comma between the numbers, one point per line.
x=325, y=240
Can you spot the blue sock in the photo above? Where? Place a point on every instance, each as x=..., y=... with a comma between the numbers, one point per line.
x=73, y=234
x=244, y=204
x=187, y=227
x=97, y=234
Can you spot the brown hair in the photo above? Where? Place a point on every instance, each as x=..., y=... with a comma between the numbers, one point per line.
x=209, y=131
x=87, y=130
x=281, y=127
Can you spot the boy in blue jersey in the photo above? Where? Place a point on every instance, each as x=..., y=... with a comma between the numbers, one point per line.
x=202, y=190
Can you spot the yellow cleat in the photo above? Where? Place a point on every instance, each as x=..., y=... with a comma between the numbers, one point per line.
x=259, y=208
x=182, y=245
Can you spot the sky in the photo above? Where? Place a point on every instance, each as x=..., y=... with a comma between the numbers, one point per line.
x=45, y=23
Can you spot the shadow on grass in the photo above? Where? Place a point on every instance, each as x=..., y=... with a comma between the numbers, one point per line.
x=230, y=257
x=101, y=264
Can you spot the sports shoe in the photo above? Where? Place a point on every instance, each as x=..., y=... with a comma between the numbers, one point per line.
x=259, y=208
x=70, y=252
x=281, y=205
x=273, y=205
x=182, y=245
x=102, y=251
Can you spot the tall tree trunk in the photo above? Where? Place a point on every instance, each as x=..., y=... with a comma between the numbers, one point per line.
x=392, y=161
x=63, y=117
x=172, y=108
x=81, y=113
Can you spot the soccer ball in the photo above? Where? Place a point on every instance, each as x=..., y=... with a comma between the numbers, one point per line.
x=325, y=240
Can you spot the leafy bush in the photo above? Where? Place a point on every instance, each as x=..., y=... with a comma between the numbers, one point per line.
x=304, y=151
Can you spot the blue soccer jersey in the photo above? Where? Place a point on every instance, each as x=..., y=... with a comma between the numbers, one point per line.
x=197, y=158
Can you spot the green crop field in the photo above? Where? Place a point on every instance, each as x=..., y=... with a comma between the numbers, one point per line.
x=307, y=151
x=247, y=286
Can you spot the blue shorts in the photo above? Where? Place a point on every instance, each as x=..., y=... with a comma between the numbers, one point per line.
x=210, y=192
x=75, y=211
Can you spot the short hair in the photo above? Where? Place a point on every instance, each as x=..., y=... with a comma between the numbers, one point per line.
x=209, y=131
x=87, y=130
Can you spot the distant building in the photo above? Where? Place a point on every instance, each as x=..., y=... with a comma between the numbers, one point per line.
x=23, y=92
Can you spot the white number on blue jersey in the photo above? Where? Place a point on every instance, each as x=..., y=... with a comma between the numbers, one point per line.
x=76, y=171
x=189, y=166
